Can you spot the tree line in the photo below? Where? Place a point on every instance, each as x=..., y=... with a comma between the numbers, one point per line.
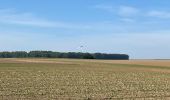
x=51, y=54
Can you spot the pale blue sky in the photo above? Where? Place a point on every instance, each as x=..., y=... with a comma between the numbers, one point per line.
x=140, y=28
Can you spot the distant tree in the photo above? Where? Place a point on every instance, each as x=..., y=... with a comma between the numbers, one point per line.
x=51, y=54
x=5, y=54
x=87, y=56
x=19, y=54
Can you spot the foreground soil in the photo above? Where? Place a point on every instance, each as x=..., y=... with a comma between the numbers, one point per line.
x=52, y=79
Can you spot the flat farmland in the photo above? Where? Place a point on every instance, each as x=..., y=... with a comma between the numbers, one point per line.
x=53, y=79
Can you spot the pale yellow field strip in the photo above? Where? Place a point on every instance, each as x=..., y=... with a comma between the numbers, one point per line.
x=75, y=61
x=142, y=62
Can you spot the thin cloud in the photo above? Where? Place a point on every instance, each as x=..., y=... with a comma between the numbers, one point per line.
x=128, y=20
x=159, y=14
x=121, y=10
x=107, y=8
x=9, y=16
x=127, y=11
x=130, y=13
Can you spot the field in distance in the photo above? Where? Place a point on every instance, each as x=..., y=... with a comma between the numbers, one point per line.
x=48, y=79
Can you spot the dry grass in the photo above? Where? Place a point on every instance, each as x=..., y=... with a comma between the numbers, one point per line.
x=51, y=79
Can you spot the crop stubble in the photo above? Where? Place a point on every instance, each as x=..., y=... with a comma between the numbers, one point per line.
x=82, y=79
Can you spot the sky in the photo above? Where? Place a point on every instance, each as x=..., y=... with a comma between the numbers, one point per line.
x=139, y=28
